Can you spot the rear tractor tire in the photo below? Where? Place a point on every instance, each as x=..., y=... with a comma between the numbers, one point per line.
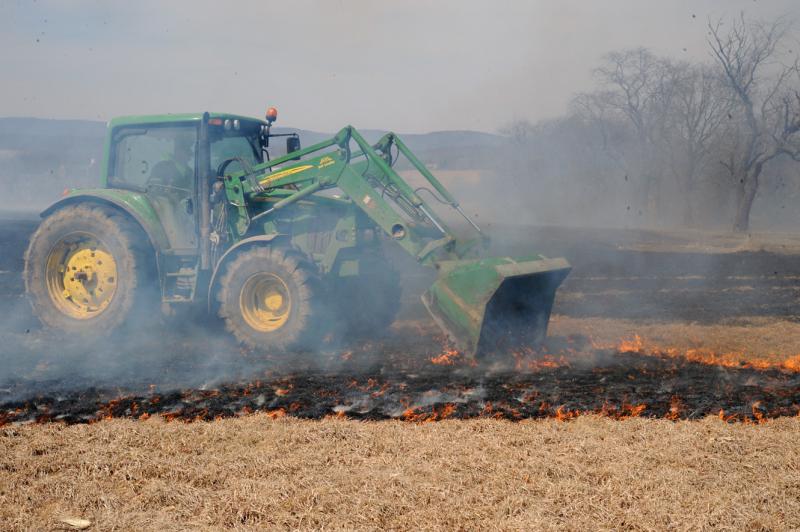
x=87, y=269
x=270, y=299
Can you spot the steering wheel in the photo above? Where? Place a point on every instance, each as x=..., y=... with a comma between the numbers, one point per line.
x=224, y=165
x=161, y=176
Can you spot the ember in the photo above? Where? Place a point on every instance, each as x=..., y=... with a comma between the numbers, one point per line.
x=447, y=358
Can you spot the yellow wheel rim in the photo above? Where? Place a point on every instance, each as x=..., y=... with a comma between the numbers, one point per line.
x=265, y=302
x=81, y=276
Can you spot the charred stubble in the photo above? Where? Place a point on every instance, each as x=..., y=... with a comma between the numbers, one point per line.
x=612, y=383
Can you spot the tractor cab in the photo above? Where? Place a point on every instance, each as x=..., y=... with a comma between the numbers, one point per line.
x=159, y=156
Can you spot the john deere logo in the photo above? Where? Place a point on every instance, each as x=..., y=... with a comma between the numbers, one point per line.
x=326, y=161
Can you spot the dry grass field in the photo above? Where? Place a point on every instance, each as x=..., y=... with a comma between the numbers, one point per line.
x=260, y=473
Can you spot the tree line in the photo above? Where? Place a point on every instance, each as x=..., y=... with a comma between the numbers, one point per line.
x=686, y=137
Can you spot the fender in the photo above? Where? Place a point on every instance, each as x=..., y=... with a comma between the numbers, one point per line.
x=247, y=242
x=134, y=204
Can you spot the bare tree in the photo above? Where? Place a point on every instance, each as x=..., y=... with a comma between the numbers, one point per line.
x=765, y=88
x=518, y=130
x=699, y=107
x=666, y=125
x=591, y=107
x=636, y=88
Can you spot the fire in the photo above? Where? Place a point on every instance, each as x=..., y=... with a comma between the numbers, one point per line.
x=564, y=414
x=529, y=360
x=373, y=386
x=447, y=358
x=758, y=412
x=676, y=407
x=447, y=411
x=733, y=359
x=723, y=417
x=562, y=383
x=436, y=414
x=380, y=391
x=277, y=413
x=625, y=411
x=634, y=345
x=622, y=412
x=792, y=364
x=636, y=411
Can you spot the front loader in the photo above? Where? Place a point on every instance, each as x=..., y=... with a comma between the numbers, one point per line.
x=193, y=211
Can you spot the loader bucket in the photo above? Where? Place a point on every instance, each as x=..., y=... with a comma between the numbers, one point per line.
x=491, y=306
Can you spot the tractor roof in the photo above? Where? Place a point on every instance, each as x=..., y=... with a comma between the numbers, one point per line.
x=175, y=118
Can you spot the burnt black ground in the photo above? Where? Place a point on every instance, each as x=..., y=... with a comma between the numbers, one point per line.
x=191, y=369
x=628, y=384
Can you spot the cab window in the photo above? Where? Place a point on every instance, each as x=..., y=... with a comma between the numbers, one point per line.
x=243, y=143
x=147, y=156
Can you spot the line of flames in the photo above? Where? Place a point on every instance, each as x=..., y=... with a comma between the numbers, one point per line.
x=447, y=410
x=531, y=360
x=733, y=359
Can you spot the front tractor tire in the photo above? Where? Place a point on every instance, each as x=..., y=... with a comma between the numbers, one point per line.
x=270, y=299
x=86, y=270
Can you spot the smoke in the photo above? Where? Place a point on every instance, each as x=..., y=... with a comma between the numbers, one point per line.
x=545, y=187
x=154, y=352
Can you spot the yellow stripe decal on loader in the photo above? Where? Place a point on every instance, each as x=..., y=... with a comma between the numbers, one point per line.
x=284, y=173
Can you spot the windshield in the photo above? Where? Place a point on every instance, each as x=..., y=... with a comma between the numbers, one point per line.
x=243, y=143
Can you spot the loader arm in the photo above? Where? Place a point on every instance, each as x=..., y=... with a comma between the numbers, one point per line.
x=483, y=304
x=365, y=174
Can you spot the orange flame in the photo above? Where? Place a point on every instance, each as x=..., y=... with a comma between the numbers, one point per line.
x=634, y=345
x=675, y=408
x=447, y=358
x=277, y=413
x=437, y=414
x=732, y=359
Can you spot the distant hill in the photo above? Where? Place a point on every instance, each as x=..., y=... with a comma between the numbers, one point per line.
x=41, y=157
x=19, y=132
x=415, y=141
x=457, y=150
x=37, y=135
x=31, y=146
x=49, y=126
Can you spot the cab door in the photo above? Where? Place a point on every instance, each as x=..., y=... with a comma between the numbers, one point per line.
x=161, y=162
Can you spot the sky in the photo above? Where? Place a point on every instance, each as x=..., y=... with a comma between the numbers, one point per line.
x=409, y=66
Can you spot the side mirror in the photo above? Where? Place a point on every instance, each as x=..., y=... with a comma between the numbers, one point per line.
x=293, y=145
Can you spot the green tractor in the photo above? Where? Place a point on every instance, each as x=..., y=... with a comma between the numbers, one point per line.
x=193, y=211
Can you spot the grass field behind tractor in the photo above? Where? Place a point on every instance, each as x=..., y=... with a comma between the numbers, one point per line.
x=257, y=472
